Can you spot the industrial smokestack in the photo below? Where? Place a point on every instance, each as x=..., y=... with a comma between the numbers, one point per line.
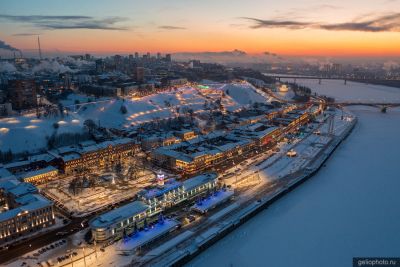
x=40, y=50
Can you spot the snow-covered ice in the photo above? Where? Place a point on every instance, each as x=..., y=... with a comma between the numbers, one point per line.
x=355, y=92
x=347, y=210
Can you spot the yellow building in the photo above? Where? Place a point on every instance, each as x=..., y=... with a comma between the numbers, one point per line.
x=39, y=176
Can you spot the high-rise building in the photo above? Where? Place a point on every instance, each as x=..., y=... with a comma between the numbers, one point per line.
x=168, y=57
x=67, y=81
x=23, y=94
x=139, y=74
x=194, y=63
x=337, y=68
x=158, y=55
x=136, y=55
x=117, y=61
x=100, y=66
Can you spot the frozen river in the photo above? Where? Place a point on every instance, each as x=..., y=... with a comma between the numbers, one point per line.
x=350, y=208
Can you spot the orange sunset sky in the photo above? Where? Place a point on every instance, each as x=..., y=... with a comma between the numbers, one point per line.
x=286, y=27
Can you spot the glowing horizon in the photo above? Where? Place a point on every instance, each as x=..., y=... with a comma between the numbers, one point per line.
x=291, y=28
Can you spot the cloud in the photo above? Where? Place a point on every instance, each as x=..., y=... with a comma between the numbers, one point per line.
x=260, y=23
x=26, y=34
x=67, y=22
x=267, y=53
x=236, y=53
x=383, y=23
x=7, y=67
x=215, y=56
x=390, y=65
x=51, y=66
x=5, y=46
x=167, y=27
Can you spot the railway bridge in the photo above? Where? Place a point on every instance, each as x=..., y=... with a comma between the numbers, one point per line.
x=344, y=79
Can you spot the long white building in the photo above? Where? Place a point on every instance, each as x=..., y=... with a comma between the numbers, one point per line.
x=113, y=224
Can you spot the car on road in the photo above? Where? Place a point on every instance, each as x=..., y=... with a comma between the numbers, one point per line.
x=191, y=218
x=61, y=233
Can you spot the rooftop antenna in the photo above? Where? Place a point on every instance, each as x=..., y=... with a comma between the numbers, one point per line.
x=40, y=50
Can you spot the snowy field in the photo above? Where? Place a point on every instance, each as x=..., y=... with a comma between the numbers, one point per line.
x=165, y=104
x=346, y=210
x=27, y=133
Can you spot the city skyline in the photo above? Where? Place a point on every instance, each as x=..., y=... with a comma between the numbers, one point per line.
x=289, y=28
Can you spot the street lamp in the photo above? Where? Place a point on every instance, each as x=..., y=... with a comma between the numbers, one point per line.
x=70, y=256
x=95, y=248
x=84, y=256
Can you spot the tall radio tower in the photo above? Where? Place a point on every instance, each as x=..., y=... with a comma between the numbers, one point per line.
x=40, y=50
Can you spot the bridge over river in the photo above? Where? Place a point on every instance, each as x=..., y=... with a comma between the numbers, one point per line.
x=387, y=82
x=372, y=104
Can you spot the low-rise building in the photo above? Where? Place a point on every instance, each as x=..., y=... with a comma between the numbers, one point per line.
x=292, y=120
x=174, y=192
x=39, y=176
x=186, y=134
x=26, y=210
x=32, y=163
x=130, y=217
x=203, y=152
x=106, y=154
x=158, y=139
x=111, y=225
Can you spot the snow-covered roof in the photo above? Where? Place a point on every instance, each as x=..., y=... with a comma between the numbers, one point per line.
x=213, y=200
x=9, y=184
x=30, y=198
x=159, y=191
x=37, y=172
x=117, y=215
x=122, y=141
x=69, y=153
x=199, y=180
x=16, y=164
x=71, y=156
x=255, y=126
x=22, y=189
x=87, y=143
x=4, y=173
x=42, y=157
x=31, y=202
x=174, y=154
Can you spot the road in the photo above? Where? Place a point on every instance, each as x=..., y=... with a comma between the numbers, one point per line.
x=38, y=242
x=47, y=238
